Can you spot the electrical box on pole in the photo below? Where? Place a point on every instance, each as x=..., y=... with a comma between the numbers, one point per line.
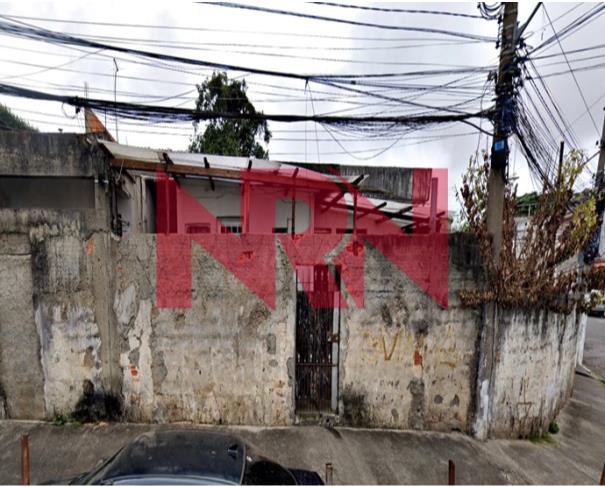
x=504, y=119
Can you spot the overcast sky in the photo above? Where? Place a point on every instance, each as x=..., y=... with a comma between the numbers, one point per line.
x=294, y=45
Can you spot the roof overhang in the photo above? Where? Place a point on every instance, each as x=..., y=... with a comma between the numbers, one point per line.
x=238, y=169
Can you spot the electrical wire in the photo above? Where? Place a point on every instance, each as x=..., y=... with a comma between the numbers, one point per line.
x=572, y=27
x=572, y=73
x=490, y=12
x=39, y=34
x=463, y=35
x=208, y=29
x=572, y=51
x=171, y=114
x=189, y=45
x=388, y=106
x=397, y=10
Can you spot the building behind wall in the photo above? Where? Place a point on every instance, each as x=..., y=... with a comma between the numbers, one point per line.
x=78, y=248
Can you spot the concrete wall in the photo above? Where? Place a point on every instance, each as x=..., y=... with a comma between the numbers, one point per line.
x=56, y=279
x=55, y=325
x=394, y=181
x=20, y=372
x=224, y=360
x=405, y=363
x=78, y=304
x=534, y=371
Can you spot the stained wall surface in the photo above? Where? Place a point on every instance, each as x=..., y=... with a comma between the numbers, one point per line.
x=55, y=326
x=404, y=361
x=78, y=306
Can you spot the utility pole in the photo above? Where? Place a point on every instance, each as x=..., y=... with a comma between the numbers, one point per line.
x=600, y=178
x=503, y=123
x=591, y=252
x=115, y=99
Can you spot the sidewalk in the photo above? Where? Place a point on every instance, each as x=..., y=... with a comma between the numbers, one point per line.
x=359, y=456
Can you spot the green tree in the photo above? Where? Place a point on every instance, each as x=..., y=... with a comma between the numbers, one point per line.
x=10, y=121
x=229, y=137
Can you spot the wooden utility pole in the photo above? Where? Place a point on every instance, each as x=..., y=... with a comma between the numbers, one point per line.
x=503, y=123
x=561, y=157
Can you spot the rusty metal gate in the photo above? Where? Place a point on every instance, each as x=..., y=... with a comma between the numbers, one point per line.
x=317, y=336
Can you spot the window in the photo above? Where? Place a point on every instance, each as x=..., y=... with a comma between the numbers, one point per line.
x=197, y=228
x=230, y=224
x=231, y=229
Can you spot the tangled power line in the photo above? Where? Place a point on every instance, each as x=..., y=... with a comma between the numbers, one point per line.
x=372, y=105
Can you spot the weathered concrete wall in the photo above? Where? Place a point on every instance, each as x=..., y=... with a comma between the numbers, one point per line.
x=73, y=321
x=55, y=321
x=395, y=181
x=21, y=377
x=79, y=304
x=227, y=359
x=405, y=363
x=36, y=154
x=534, y=370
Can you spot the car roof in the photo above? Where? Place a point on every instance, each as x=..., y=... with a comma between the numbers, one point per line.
x=181, y=453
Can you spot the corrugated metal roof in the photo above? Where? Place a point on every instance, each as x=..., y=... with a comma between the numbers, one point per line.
x=121, y=151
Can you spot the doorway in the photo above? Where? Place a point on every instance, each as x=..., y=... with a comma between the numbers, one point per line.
x=317, y=338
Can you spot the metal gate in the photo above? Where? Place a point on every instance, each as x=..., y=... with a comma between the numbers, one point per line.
x=317, y=335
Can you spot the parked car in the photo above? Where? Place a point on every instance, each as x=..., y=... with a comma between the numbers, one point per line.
x=192, y=457
x=598, y=310
x=597, y=303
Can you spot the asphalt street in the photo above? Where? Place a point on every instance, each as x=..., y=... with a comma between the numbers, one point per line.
x=594, y=349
